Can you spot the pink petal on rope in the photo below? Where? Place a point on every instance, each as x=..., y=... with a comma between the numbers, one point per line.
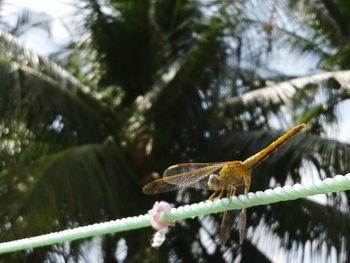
x=155, y=212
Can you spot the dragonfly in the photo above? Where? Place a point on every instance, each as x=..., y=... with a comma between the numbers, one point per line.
x=223, y=178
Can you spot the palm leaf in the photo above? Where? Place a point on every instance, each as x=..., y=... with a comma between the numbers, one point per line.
x=283, y=92
x=28, y=19
x=35, y=98
x=39, y=90
x=311, y=222
x=13, y=50
x=76, y=186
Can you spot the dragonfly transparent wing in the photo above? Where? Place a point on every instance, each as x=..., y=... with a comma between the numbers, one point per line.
x=227, y=221
x=193, y=175
x=159, y=186
x=183, y=168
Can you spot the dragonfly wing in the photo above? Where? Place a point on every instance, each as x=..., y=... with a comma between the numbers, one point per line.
x=227, y=223
x=184, y=168
x=159, y=186
x=191, y=175
x=228, y=219
x=242, y=225
x=183, y=175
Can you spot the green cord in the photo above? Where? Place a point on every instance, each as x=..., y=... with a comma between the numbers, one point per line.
x=335, y=184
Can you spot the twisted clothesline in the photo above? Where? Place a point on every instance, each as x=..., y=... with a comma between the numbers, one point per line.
x=278, y=194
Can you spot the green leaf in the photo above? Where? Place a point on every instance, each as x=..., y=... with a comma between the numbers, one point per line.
x=76, y=186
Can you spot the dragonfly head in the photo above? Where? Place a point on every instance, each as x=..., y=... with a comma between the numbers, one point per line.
x=213, y=182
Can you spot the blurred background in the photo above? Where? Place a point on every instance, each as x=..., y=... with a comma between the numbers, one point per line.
x=98, y=97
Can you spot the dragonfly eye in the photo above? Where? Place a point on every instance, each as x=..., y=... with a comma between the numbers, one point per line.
x=213, y=182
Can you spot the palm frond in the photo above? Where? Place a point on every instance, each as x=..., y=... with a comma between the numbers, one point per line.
x=38, y=91
x=81, y=59
x=28, y=19
x=283, y=92
x=179, y=75
x=325, y=17
x=312, y=222
x=327, y=20
x=30, y=95
x=80, y=185
x=13, y=50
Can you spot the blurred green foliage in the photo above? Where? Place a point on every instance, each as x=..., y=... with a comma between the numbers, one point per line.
x=153, y=83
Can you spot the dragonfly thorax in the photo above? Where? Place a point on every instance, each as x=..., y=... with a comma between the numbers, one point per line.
x=233, y=173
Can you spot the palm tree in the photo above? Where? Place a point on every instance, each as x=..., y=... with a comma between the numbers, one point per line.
x=330, y=32
x=160, y=83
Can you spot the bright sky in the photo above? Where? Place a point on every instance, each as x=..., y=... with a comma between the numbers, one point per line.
x=59, y=10
x=53, y=7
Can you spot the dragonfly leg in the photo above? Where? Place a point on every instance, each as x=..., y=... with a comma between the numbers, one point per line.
x=216, y=195
x=232, y=191
x=247, y=179
x=212, y=197
x=221, y=193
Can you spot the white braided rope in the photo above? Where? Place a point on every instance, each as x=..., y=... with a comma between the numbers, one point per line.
x=335, y=184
